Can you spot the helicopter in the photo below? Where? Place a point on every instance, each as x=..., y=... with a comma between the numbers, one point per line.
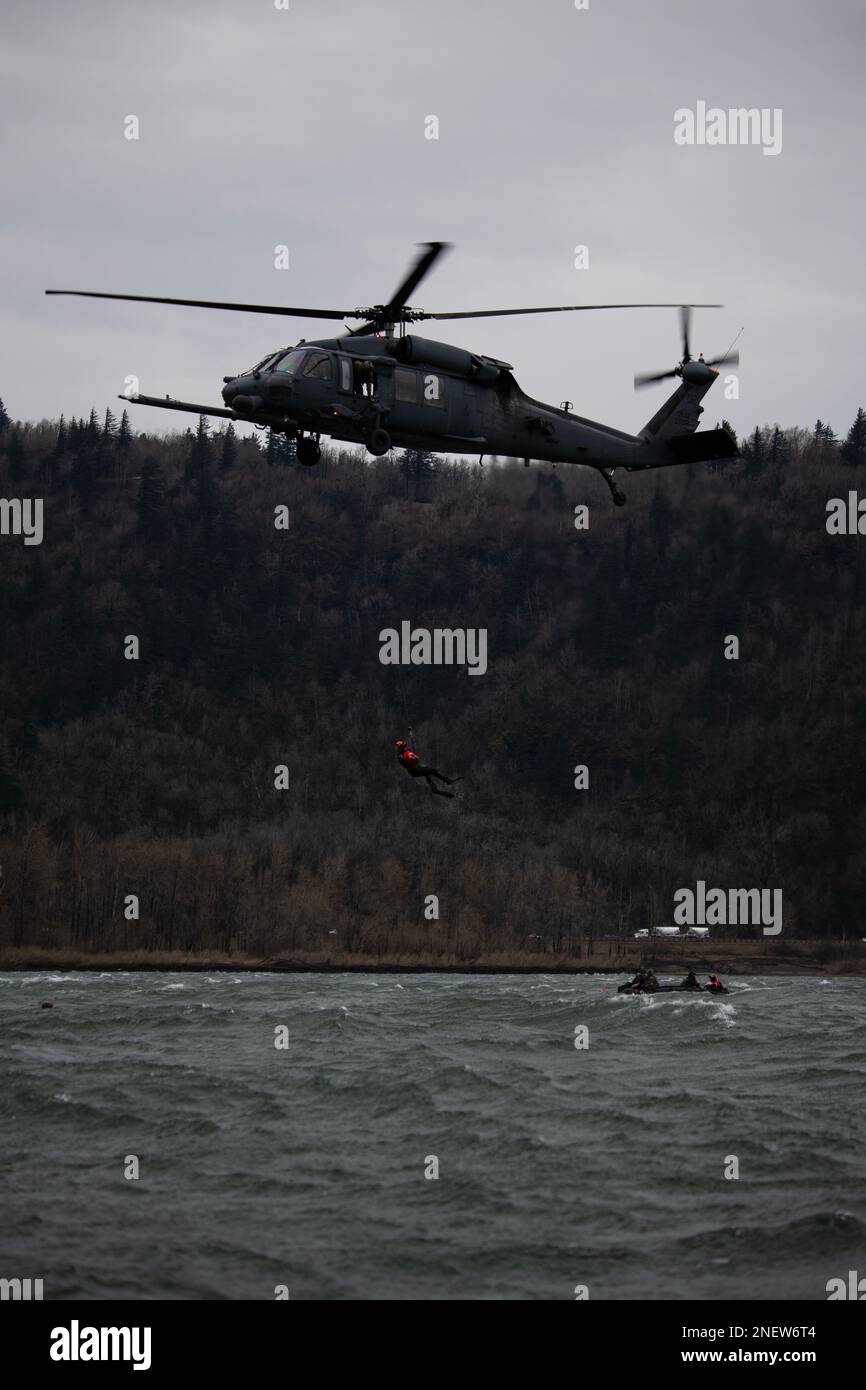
x=381, y=386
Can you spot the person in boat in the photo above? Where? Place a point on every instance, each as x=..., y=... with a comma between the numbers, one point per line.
x=408, y=758
x=691, y=981
x=639, y=980
x=715, y=986
x=651, y=982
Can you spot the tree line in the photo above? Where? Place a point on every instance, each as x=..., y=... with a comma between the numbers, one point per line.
x=258, y=648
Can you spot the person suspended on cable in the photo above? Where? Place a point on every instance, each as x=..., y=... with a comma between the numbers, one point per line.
x=408, y=758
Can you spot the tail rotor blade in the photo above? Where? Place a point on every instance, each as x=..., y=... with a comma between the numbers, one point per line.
x=685, y=324
x=647, y=379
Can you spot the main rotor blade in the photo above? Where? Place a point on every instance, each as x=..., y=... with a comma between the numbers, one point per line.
x=559, y=309
x=421, y=267
x=728, y=358
x=218, y=304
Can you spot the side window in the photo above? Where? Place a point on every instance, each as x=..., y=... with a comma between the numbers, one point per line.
x=405, y=385
x=318, y=366
x=345, y=373
x=434, y=389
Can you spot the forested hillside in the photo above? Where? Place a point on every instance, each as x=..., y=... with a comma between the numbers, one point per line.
x=259, y=647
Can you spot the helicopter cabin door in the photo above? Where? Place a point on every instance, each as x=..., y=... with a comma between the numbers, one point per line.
x=420, y=402
x=368, y=379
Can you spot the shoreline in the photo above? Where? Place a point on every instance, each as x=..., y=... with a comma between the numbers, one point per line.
x=731, y=958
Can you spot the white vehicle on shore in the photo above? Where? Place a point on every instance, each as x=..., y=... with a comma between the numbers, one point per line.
x=673, y=933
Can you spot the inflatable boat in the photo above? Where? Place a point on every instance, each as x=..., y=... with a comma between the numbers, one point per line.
x=669, y=989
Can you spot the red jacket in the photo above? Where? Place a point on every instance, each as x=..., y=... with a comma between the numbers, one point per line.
x=408, y=758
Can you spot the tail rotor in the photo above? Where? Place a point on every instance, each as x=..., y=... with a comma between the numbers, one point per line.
x=728, y=358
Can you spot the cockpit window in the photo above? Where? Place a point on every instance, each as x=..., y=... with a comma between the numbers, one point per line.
x=260, y=366
x=290, y=362
x=319, y=366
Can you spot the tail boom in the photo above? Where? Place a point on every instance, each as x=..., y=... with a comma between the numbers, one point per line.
x=670, y=437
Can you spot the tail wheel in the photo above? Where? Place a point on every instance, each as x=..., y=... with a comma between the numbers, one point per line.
x=378, y=441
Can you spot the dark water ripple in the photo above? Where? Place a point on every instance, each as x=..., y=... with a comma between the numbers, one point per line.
x=306, y=1167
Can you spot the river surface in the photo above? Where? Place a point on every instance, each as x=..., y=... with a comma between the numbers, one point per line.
x=304, y=1166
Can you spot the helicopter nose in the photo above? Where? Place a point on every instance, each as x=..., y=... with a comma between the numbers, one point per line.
x=278, y=389
x=246, y=405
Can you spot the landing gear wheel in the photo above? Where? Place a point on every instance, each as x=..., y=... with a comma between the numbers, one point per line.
x=378, y=441
x=308, y=452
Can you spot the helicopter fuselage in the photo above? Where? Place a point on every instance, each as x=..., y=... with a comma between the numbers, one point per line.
x=424, y=394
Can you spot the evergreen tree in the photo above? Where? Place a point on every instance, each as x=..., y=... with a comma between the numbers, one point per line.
x=229, y=448
x=726, y=425
x=755, y=454
x=199, y=457
x=199, y=474
x=824, y=434
x=150, y=504
x=722, y=465
x=15, y=450
x=109, y=427
x=854, y=449
x=779, y=448
x=417, y=467
x=60, y=444
x=280, y=450
x=83, y=472
x=124, y=434
x=5, y=422
x=93, y=431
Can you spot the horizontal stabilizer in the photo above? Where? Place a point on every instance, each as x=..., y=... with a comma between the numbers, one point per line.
x=685, y=448
x=703, y=447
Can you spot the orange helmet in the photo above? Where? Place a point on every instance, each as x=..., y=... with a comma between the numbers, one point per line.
x=399, y=743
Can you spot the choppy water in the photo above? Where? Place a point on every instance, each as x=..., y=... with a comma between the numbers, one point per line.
x=305, y=1166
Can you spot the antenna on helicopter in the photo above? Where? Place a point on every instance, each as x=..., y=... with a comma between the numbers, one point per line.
x=735, y=339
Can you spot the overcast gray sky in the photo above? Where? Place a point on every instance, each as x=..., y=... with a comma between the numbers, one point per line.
x=306, y=127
